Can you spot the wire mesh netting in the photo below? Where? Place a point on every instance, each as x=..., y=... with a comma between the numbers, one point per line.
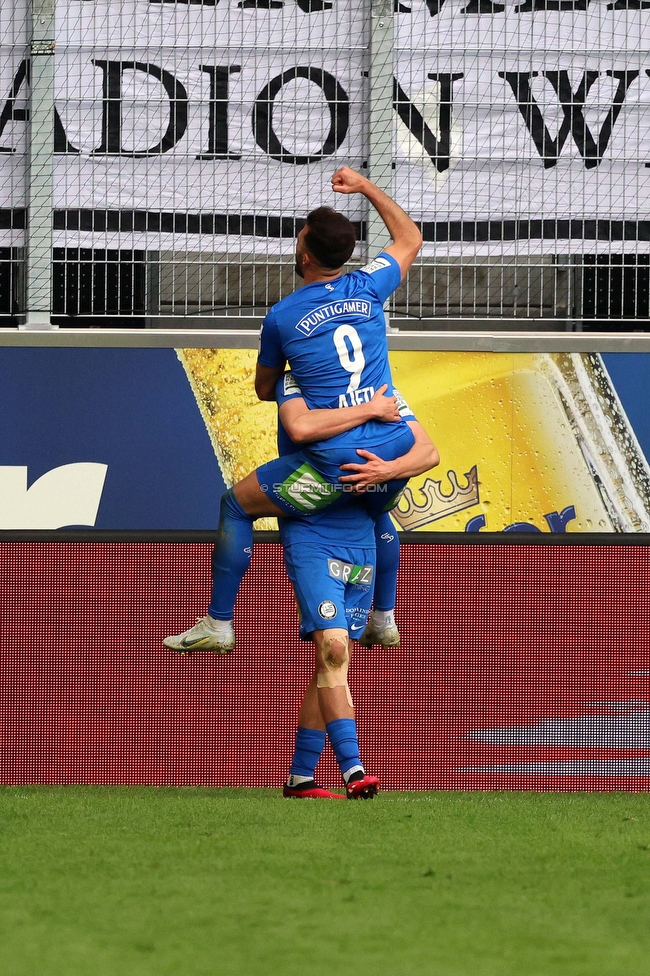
x=14, y=114
x=168, y=153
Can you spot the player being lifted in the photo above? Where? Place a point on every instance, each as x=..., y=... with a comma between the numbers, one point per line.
x=335, y=559
x=332, y=332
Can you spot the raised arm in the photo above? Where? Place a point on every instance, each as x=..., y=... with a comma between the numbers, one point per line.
x=407, y=239
x=422, y=456
x=304, y=425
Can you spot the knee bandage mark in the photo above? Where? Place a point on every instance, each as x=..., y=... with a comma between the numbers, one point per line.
x=329, y=679
x=335, y=658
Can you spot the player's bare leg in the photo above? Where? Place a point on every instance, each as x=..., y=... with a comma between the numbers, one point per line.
x=310, y=742
x=337, y=709
x=253, y=500
x=310, y=715
x=332, y=664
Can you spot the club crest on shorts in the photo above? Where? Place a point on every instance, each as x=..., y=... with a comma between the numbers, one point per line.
x=327, y=610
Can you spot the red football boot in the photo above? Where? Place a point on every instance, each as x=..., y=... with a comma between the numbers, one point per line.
x=363, y=788
x=309, y=791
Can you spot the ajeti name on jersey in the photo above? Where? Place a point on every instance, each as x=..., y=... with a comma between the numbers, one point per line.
x=333, y=334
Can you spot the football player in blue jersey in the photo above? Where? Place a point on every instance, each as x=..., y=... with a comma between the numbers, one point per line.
x=332, y=332
x=330, y=559
x=295, y=416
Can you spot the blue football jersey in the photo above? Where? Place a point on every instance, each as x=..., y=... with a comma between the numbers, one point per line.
x=287, y=388
x=345, y=524
x=333, y=334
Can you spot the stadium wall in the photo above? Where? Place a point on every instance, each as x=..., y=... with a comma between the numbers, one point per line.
x=534, y=436
x=524, y=665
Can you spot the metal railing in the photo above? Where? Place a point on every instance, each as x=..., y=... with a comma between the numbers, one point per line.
x=158, y=158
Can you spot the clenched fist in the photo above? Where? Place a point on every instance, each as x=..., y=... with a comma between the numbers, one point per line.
x=347, y=180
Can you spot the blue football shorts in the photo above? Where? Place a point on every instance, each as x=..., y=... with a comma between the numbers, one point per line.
x=333, y=586
x=307, y=481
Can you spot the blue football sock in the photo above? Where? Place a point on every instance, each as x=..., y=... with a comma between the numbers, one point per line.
x=231, y=556
x=343, y=736
x=387, y=541
x=309, y=747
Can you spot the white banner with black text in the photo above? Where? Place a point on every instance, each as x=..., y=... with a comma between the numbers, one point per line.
x=517, y=127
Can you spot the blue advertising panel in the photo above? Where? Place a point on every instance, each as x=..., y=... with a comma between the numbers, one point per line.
x=115, y=435
x=148, y=439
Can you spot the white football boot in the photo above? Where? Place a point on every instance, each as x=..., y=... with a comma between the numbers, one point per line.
x=207, y=634
x=385, y=634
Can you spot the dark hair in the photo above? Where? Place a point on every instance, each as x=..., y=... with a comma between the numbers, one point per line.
x=330, y=237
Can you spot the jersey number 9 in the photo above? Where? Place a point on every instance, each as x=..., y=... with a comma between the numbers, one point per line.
x=351, y=356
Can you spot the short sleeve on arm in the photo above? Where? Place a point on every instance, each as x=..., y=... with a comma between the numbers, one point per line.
x=286, y=389
x=383, y=275
x=405, y=411
x=270, y=353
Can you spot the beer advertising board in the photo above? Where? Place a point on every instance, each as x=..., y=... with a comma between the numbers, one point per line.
x=520, y=666
x=149, y=439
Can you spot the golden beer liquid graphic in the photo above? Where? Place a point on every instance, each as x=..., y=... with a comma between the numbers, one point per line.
x=243, y=429
x=544, y=432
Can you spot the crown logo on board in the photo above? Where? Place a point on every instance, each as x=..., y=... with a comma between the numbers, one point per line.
x=412, y=515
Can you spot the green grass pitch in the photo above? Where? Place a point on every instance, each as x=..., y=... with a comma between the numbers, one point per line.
x=148, y=882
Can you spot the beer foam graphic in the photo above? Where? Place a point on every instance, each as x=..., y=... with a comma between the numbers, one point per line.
x=545, y=433
x=242, y=429
x=611, y=451
x=622, y=726
x=540, y=433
